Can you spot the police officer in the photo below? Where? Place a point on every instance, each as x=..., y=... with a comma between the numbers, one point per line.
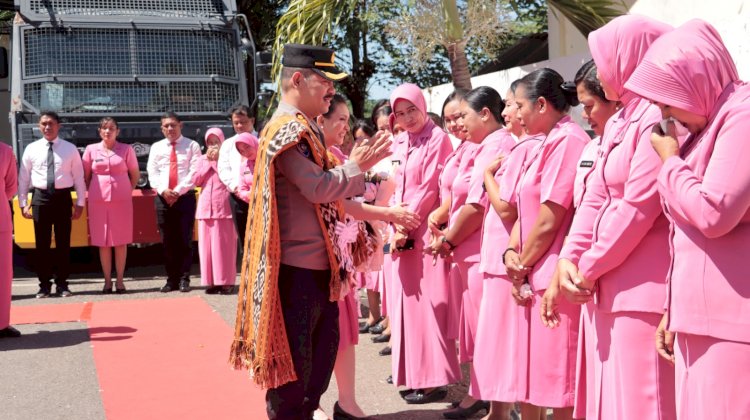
x=306, y=192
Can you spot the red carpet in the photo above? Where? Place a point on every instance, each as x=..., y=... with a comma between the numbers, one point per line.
x=45, y=314
x=163, y=359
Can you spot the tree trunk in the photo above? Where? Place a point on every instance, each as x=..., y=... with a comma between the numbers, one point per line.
x=459, y=66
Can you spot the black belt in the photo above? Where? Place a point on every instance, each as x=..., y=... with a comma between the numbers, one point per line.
x=56, y=191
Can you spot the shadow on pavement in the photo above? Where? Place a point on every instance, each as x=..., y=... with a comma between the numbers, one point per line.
x=408, y=414
x=46, y=340
x=95, y=333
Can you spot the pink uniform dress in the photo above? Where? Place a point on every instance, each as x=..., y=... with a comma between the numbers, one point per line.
x=468, y=189
x=110, y=201
x=423, y=355
x=618, y=230
x=8, y=186
x=549, y=176
x=705, y=191
x=445, y=182
x=499, y=372
x=217, y=236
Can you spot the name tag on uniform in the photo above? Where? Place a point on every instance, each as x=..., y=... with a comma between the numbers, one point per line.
x=587, y=163
x=246, y=172
x=98, y=160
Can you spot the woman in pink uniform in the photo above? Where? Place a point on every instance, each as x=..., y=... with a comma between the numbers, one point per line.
x=335, y=126
x=597, y=110
x=545, y=210
x=705, y=189
x=424, y=357
x=247, y=147
x=498, y=369
x=618, y=230
x=110, y=169
x=217, y=238
x=438, y=218
x=8, y=187
x=482, y=120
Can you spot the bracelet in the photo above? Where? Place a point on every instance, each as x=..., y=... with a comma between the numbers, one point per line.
x=450, y=244
x=507, y=251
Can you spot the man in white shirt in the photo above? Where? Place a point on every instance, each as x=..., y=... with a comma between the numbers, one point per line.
x=172, y=162
x=50, y=169
x=243, y=121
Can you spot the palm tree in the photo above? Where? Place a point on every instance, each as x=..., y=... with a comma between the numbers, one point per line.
x=312, y=21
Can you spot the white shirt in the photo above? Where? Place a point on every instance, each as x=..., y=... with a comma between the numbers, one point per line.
x=188, y=153
x=229, y=164
x=68, y=169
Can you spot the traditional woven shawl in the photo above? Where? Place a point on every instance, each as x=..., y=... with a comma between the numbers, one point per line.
x=260, y=341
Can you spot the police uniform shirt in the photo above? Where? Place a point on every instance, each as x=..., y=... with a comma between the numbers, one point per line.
x=68, y=169
x=300, y=182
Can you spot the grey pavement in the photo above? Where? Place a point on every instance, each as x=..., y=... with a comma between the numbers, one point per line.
x=49, y=372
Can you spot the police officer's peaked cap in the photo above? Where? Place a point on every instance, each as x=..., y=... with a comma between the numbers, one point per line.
x=319, y=59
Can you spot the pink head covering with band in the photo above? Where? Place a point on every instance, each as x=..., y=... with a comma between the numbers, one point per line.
x=687, y=68
x=409, y=92
x=250, y=140
x=214, y=131
x=619, y=46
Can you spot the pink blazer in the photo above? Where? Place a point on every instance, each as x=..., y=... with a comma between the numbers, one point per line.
x=619, y=229
x=495, y=144
x=8, y=185
x=706, y=194
x=246, y=179
x=496, y=232
x=549, y=176
x=110, y=180
x=419, y=160
x=213, y=202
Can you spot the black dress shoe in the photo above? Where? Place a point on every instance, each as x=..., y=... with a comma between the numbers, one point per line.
x=42, y=293
x=63, y=292
x=463, y=413
x=226, y=290
x=121, y=290
x=382, y=338
x=213, y=290
x=107, y=290
x=9, y=332
x=367, y=326
x=385, y=351
x=168, y=288
x=377, y=329
x=184, y=286
x=404, y=392
x=421, y=397
x=340, y=414
x=389, y=379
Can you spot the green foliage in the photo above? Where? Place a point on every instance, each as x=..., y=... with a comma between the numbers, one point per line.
x=588, y=15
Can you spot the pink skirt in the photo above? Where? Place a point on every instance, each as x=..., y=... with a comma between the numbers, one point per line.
x=423, y=355
x=217, y=248
x=552, y=356
x=348, y=321
x=712, y=378
x=584, y=365
x=455, y=299
x=470, y=301
x=384, y=284
x=629, y=379
x=6, y=276
x=110, y=222
x=500, y=354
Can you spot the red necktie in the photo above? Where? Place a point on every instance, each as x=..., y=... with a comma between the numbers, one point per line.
x=173, y=167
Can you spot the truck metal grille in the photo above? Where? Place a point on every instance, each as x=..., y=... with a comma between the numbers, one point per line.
x=128, y=51
x=161, y=8
x=133, y=97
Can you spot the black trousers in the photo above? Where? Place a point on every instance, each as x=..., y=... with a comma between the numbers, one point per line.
x=239, y=214
x=312, y=327
x=176, y=230
x=52, y=211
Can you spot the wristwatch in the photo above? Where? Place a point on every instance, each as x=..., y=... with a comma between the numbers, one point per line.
x=446, y=241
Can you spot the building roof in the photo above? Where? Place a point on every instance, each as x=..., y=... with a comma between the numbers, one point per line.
x=529, y=49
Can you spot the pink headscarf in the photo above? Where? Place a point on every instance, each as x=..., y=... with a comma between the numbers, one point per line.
x=687, y=68
x=409, y=92
x=214, y=131
x=250, y=140
x=619, y=46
